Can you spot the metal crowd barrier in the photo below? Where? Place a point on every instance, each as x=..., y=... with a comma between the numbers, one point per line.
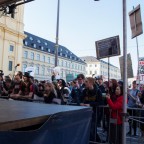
x=104, y=120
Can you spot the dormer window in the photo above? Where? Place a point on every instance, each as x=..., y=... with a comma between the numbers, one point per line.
x=42, y=48
x=38, y=41
x=26, y=43
x=46, y=43
x=34, y=45
x=48, y=50
x=31, y=38
x=61, y=49
x=60, y=54
x=65, y=55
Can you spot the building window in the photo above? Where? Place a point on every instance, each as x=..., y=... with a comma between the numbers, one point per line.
x=78, y=67
x=34, y=45
x=38, y=57
x=81, y=67
x=72, y=66
x=38, y=41
x=48, y=50
x=75, y=66
x=43, y=71
x=10, y=65
x=48, y=59
x=25, y=54
x=43, y=58
x=37, y=70
x=65, y=63
x=90, y=65
x=49, y=71
x=53, y=60
x=61, y=74
x=68, y=64
x=62, y=63
x=11, y=48
x=31, y=38
x=46, y=43
x=26, y=43
x=24, y=67
x=32, y=55
x=42, y=48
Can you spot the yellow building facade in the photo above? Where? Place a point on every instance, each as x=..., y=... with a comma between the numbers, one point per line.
x=11, y=41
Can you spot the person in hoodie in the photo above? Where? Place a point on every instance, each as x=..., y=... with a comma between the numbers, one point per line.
x=92, y=96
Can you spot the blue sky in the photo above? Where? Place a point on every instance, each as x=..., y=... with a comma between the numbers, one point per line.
x=82, y=22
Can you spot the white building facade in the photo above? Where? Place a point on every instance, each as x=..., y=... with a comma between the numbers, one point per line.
x=40, y=53
x=98, y=67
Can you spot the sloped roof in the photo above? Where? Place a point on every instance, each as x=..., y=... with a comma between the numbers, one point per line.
x=89, y=59
x=39, y=43
x=94, y=59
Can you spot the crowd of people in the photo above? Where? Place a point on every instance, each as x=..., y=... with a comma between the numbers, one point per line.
x=89, y=91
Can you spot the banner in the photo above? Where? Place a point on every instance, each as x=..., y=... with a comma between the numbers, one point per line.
x=129, y=66
x=108, y=47
x=141, y=69
x=135, y=21
x=31, y=70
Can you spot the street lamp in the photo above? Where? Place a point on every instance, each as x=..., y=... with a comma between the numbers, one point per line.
x=57, y=35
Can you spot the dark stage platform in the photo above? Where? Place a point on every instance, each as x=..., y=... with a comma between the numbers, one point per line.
x=57, y=124
x=18, y=114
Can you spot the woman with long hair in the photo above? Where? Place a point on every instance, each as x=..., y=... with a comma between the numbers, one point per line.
x=116, y=114
x=112, y=88
x=49, y=92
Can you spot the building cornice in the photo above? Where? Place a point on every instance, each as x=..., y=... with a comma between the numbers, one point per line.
x=12, y=32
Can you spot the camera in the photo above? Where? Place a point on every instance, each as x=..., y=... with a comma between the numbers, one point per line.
x=103, y=95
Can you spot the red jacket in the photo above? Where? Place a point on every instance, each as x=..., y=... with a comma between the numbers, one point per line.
x=116, y=107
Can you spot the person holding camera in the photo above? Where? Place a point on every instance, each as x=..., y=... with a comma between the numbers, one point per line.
x=115, y=135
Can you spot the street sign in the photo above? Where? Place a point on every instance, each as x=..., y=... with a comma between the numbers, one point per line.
x=108, y=47
x=135, y=21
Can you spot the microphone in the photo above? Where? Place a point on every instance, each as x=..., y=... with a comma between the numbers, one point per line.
x=17, y=65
